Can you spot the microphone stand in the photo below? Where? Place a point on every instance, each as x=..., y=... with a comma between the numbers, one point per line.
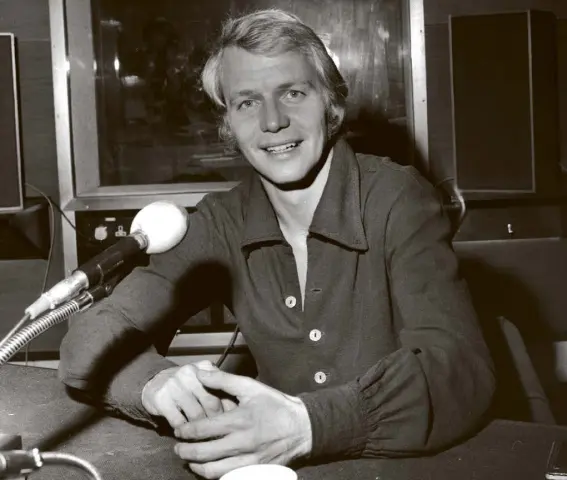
x=16, y=464
x=26, y=334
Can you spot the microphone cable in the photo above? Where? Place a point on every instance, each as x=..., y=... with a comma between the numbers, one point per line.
x=15, y=463
x=228, y=348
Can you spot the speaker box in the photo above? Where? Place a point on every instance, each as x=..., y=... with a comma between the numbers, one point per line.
x=11, y=183
x=505, y=102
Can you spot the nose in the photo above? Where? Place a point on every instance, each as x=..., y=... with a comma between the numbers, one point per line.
x=273, y=117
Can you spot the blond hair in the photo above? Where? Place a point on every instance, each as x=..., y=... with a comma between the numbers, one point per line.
x=273, y=32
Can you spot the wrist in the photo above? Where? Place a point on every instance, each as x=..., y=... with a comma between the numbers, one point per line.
x=303, y=430
x=148, y=390
x=145, y=397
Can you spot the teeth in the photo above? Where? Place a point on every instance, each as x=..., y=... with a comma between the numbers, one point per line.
x=282, y=148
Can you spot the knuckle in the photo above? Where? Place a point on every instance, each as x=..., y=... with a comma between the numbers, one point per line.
x=187, y=430
x=240, y=422
x=167, y=386
x=196, y=415
x=227, y=405
x=204, y=363
x=169, y=375
x=183, y=431
x=160, y=397
x=211, y=402
x=188, y=370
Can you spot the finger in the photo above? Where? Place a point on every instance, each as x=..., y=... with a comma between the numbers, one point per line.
x=197, y=401
x=228, y=404
x=217, y=469
x=211, y=404
x=189, y=405
x=202, y=452
x=235, y=385
x=211, y=427
x=171, y=413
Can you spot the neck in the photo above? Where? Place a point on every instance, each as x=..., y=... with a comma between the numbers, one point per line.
x=295, y=208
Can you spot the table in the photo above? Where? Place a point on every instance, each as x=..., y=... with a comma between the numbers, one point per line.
x=35, y=405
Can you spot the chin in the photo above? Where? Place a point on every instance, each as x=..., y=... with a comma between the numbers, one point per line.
x=290, y=181
x=289, y=172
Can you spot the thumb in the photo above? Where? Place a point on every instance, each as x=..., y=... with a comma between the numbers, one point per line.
x=235, y=385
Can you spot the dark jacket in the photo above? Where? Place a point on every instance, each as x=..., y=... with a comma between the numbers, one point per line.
x=386, y=354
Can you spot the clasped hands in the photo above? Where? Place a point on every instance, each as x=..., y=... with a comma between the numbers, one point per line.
x=261, y=424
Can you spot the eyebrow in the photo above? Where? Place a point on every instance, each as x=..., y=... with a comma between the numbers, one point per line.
x=283, y=86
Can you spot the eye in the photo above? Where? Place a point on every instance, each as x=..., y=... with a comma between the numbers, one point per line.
x=246, y=104
x=295, y=94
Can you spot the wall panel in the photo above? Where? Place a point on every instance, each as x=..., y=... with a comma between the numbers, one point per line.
x=20, y=281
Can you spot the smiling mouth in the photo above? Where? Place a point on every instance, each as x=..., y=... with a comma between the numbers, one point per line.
x=283, y=148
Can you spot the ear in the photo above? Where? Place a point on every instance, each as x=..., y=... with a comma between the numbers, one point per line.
x=225, y=131
x=336, y=115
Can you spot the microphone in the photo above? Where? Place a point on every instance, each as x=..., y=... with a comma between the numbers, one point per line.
x=17, y=464
x=157, y=228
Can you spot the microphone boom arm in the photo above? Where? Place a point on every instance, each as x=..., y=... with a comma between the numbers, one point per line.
x=15, y=343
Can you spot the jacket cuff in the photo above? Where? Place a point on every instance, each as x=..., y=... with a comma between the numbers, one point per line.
x=337, y=422
x=124, y=394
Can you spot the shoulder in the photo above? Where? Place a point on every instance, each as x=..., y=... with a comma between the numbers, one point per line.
x=383, y=182
x=225, y=210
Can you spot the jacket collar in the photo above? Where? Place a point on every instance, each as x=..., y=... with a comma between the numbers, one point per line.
x=337, y=217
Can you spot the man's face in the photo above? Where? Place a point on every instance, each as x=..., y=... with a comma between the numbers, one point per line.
x=276, y=112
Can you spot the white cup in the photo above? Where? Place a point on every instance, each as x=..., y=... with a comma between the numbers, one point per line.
x=261, y=472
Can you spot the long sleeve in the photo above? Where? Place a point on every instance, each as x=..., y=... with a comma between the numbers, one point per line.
x=113, y=349
x=438, y=385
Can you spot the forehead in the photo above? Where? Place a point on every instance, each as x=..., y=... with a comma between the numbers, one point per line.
x=243, y=71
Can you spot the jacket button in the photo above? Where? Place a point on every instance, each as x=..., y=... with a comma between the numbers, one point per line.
x=320, y=377
x=290, y=301
x=315, y=335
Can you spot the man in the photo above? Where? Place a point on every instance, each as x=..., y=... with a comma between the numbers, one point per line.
x=338, y=268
